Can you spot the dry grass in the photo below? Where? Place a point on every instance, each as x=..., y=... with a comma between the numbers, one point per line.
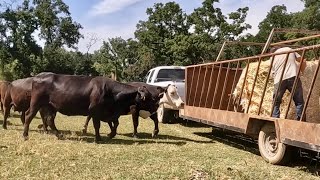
x=180, y=152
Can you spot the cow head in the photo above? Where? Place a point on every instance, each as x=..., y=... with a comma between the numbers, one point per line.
x=148, y=101
x=171, y=97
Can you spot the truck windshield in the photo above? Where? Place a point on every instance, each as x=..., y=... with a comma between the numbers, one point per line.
x=170, y=75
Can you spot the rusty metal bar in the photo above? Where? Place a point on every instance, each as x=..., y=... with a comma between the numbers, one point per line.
x=254, y=83
x=266, y=46
x=265, y=85
x=280, y=82
x=216, y=88
x=191, y=84
x=186, y=84
x=302, y=31
x=203, y=84
x=296, y=40
x=195, y=95
x=259, y=44
x=244, y=81
x=221, y=50
x=295, y=84
x=224, y=85
x=258, y=56
x=310, y=91
x=210, y=83
x=233, y=85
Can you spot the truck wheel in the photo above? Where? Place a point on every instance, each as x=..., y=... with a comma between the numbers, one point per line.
x=272, y=151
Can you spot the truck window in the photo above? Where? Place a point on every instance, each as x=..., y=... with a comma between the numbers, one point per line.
x=150, y=77
x=170, y=75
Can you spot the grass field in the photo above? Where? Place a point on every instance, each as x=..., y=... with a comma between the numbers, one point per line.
x=179, y=152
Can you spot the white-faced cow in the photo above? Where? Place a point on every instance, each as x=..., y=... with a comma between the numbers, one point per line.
x=160, y=95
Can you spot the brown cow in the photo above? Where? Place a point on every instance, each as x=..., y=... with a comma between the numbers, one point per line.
x=3, y=89
x=18, y=95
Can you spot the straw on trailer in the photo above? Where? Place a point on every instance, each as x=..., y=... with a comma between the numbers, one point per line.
x=313, y=110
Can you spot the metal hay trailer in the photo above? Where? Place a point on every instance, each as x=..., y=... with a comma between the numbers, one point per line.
x=209, y=89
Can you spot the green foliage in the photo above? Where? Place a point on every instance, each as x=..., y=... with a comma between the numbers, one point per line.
x=21, y=55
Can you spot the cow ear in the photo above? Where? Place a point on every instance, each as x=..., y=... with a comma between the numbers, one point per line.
x=161, y=95
x=142, y=93
x=161, y=89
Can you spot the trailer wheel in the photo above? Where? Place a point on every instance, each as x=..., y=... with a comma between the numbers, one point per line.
x=272, y=151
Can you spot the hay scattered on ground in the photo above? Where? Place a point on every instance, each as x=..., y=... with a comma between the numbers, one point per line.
x=313, y=114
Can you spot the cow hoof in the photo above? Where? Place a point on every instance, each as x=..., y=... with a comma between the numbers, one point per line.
x=84, y=131
x=40, y=126
x=135, y=136
x=60, y=137
x=25, y=138
x=4, y=127
x=97, y=140
x=155, y=134
x=112, y=135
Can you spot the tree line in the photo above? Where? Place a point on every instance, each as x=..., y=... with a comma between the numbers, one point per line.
x=168, y=36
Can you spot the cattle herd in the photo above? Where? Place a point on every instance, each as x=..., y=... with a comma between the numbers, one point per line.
x=98, y=98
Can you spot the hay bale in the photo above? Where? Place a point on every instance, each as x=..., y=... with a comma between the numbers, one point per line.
x=313, y=113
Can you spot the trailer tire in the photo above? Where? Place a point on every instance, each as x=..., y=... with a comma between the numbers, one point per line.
x=272, y=151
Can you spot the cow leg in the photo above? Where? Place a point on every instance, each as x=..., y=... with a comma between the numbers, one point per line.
x=135, y=119
x=44, y=124
x=1, y=107
x=50, y=121
x=156, y=125
x=23, y=117
x=110, y=125
x=85, y=126
x=96, y=124
x=6, y=115
x=30, y=114
x=114, y=129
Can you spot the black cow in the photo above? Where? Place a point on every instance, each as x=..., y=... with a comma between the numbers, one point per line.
x=156, y=93
x=99, y=97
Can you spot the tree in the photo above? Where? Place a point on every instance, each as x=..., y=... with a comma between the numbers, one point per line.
x=277, y=17
x=212, y=28
x=165, y=21
x=114, y=57
x=17, y=36
x=21, y=51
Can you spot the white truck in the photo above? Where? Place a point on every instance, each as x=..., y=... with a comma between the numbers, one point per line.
x=163, y=76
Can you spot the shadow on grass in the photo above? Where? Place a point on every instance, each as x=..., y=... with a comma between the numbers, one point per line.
x=304, y=160
x=163, y=137
x=143, y=138
x=233, y=139
x=107, y=140
x=307, y=161
x=193, y=124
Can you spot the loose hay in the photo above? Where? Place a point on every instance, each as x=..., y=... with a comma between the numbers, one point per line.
x=313, y=113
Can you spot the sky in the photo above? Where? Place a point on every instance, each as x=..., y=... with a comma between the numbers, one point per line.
x=118, y=18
